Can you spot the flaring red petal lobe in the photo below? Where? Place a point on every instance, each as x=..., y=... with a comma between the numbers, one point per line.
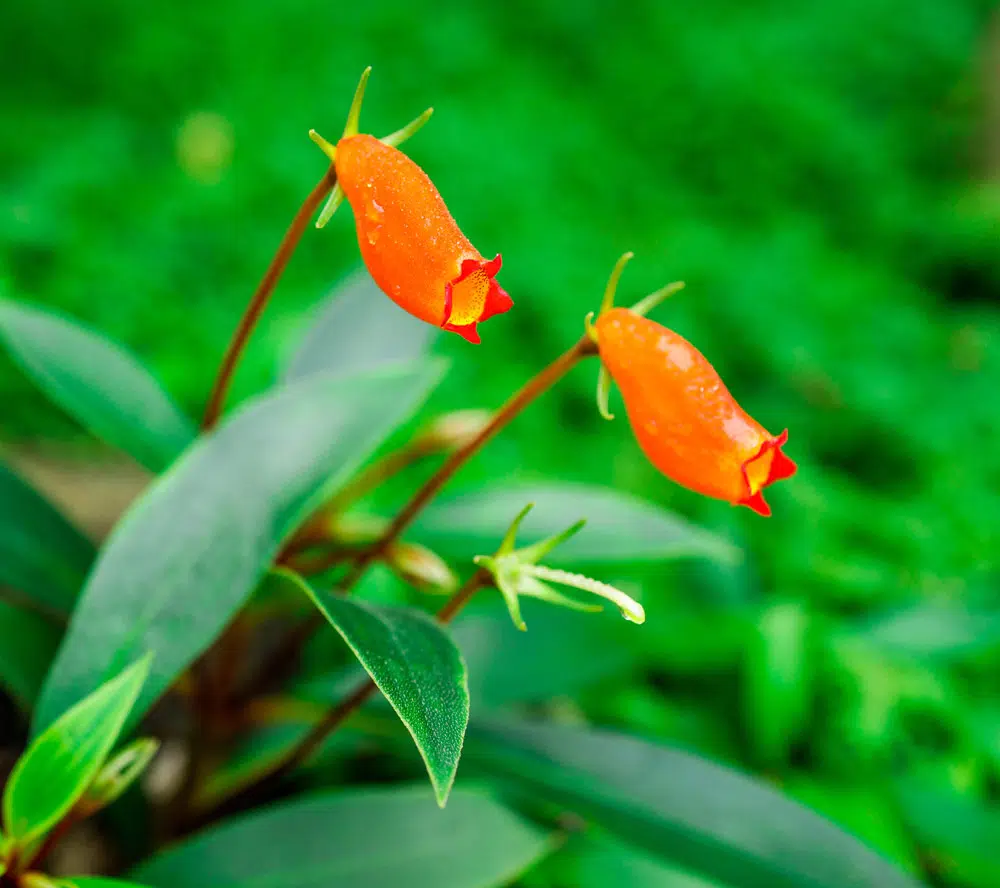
x=468, y=332
x=484, y=297
x=781, y=467
x=757, y=503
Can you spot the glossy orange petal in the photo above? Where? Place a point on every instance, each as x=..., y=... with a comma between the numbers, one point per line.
x=411, y=244
x=683, y=416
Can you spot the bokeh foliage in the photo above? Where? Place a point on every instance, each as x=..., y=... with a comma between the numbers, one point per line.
x=817, y=173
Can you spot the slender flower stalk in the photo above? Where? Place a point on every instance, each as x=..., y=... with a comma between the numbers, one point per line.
x=262, y=296
x=287, y=652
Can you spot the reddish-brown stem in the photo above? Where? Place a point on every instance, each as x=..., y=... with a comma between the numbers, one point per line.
x=287, y=652
x=532, y=389
x=262, y=296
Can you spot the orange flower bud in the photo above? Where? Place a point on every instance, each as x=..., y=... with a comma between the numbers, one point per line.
x=684, y=417
x=412, y=246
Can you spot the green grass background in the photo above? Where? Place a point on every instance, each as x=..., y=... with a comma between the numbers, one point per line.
x=819, y=175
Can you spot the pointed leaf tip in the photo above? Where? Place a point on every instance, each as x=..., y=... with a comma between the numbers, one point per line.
x=612, y=287
x=328, y=148
x=333, y=203
x=604, y=393
x=510, y=538
x=644, y=306
x=354, y=113
x=394, y=140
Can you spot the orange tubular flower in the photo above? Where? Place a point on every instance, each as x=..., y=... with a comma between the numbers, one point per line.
x=412, y=246
x=684, y=417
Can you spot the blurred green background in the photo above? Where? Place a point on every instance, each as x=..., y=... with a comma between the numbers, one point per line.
x=822, y=175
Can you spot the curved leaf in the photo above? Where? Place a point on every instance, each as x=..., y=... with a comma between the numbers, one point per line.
x=28, y=644
x=376, y=839
x=61, y=763
x=420, y=671
x=42, y=556
x=706, y=818
x=619, y=527
x=97, y=382
x=358, y=328
x=188, y=554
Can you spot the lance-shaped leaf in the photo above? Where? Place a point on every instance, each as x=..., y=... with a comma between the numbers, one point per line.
x=188, y=554
x=43, y=557
x=384, y=838
x=62, y=762
x=97, y=382
x=419, y=669
x=703, y=817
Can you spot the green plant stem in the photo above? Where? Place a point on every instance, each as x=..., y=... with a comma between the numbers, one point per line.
x=262, y=789
x=262, y=296
x=288, y=651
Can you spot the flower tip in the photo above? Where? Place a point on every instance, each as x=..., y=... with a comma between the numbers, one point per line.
x=635, y=614
x=757, y=503
x=782, y=466
x=474, y=296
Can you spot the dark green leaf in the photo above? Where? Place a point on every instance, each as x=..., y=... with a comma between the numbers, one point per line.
x=60, y=764
x=376, y=839
x=619, y=527
x=187, y=555
x=711, y=820
x=28, y=644
x=97, y=382
x=42, y=556
x=420, y=671
x=359, y=328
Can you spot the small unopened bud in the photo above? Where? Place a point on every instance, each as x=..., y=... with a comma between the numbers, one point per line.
x=355, y=529
x=452, y=431
x=121, y=772
x=420, y=567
